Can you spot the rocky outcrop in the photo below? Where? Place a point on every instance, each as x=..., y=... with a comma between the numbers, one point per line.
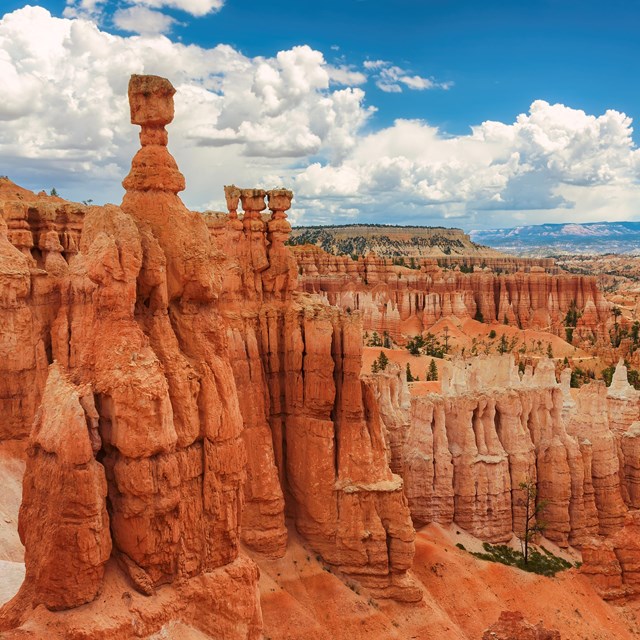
x=623, y=401
x=630, y=446
x=391, y=393
x=38, y=236
x=138, y=331
x=64, y=524
x=512, y=626
x=214, y=395
x=464, y=455
x=626, y=544
x=313, y=431
x=427, y=466
x=590, y=424
x=21, y=375
x=613, y=564
x=402, y=300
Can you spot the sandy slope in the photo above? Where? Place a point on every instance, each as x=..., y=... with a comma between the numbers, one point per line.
x=463, y=596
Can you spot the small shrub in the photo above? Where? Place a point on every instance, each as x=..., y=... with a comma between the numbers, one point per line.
x=544, y=564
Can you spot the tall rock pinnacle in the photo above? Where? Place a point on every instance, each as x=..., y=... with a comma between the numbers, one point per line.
x=153, y=167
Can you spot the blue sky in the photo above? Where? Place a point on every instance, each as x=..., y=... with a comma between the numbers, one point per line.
x=553, y=78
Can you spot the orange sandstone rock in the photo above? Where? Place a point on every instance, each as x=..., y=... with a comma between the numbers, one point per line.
x=613, y=564
x=630, y=445
x=590, y=423
x=512, y=626
x=464, y=455
x=138, y=329
x=64, y=524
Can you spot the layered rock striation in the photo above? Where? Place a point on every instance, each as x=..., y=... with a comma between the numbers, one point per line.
x=314, y=435
x=613, y=563
x=399, y=299
x=39, y=234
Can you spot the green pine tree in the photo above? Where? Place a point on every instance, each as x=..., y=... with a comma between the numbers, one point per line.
x=410, y=377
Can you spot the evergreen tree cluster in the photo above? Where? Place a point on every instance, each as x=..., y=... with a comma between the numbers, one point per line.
x=428, y=345
x=376, y=341
x=380, y=363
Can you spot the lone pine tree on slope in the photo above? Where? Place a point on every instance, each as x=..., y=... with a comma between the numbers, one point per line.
x=532, y=524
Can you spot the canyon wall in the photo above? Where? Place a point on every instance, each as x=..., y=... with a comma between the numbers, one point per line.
x=401, y=300
x=38, y=235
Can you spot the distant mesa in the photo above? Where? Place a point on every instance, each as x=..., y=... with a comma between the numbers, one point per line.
x=388, y=240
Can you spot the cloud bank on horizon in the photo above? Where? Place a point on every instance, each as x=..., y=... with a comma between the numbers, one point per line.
x=294, y=120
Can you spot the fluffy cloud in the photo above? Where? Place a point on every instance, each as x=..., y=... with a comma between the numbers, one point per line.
x=393, y=79
x=552, y=158
x=94, y=8
x=140, y=16
x=142, y=20
x=194, y=7
x=295, y=120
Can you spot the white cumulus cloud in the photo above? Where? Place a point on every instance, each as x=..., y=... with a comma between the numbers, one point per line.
x=296, y=120
x=142, y=20
x=549, y=159
x=194, y=7
x=139, y=16
x=66, y=116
